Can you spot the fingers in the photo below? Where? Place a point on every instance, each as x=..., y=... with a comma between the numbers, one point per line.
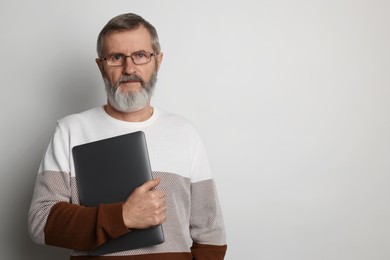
x=158, y=194
x=145, y=207
x=149, y=185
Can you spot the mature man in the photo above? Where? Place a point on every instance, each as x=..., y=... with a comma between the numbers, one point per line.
x=182, y=196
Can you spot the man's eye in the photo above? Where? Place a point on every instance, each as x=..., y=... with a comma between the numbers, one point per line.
x=140, y=55
x=117, y=57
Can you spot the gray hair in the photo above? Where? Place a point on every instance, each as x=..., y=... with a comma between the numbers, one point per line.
x=127, y=22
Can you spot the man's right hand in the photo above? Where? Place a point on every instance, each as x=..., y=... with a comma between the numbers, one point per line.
x=145, y=207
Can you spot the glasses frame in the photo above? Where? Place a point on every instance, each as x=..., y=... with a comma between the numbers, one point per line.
x=131, y=57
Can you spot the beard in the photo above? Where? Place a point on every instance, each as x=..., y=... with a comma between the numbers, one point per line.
x=130, y=101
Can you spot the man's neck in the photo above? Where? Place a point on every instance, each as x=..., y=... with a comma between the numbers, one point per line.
x=136, y=116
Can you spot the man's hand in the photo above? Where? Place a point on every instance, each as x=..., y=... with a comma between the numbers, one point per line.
x=145, y=207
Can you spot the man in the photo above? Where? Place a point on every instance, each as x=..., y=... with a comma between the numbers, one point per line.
x=182, y=196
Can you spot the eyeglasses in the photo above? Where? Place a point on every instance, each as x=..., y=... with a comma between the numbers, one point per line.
x=139, y=58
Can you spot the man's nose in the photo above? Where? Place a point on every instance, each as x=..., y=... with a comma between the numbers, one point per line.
x=129, y=65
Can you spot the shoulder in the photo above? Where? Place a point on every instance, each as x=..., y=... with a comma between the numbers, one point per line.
x=175, y=120
x=72, y=120
x=178, y=128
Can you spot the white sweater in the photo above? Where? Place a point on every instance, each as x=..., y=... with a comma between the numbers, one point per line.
x=177, y=156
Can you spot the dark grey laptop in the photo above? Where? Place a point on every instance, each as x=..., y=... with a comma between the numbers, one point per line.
x=107, y=171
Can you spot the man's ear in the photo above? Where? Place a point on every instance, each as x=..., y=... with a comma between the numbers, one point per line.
x=99, y=62
x=159, y=60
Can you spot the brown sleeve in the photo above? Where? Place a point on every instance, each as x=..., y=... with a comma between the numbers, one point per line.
x=83, y=228
x=208, y=252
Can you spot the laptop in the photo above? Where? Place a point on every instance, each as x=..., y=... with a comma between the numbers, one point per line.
x=107, y=171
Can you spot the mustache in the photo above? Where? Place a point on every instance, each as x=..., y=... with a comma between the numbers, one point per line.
x=131, y=77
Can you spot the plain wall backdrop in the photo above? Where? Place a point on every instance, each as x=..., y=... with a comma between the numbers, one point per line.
x=291, y=98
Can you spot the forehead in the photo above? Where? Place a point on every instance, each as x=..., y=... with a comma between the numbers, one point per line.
x=128, y=41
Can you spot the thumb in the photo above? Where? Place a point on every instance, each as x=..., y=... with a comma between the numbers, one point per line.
x=150, y=184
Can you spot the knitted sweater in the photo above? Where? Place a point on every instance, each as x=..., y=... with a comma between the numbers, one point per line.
x=194, y=228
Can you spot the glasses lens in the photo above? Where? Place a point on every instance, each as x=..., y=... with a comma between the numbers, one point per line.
x=141, y=57
x=116, y=60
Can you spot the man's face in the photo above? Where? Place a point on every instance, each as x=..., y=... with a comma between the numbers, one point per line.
x=129, y=87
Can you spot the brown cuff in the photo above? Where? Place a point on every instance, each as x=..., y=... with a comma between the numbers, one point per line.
x=115, y=219
x=208, y=252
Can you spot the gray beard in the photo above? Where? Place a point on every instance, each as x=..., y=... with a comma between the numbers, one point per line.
x=133, y=100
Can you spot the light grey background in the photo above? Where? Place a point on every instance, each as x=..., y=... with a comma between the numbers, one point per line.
x=291, y=99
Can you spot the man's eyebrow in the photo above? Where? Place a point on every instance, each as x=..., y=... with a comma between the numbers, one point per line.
x=118, y=52
x=142, y=50
x=114, y=53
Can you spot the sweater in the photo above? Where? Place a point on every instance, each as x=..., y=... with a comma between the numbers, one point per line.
x=194, y=227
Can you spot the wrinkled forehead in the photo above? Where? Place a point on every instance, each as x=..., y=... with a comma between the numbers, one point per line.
x=127, y=41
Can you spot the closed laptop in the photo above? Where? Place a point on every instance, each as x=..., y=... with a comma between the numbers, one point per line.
x=107, y=171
